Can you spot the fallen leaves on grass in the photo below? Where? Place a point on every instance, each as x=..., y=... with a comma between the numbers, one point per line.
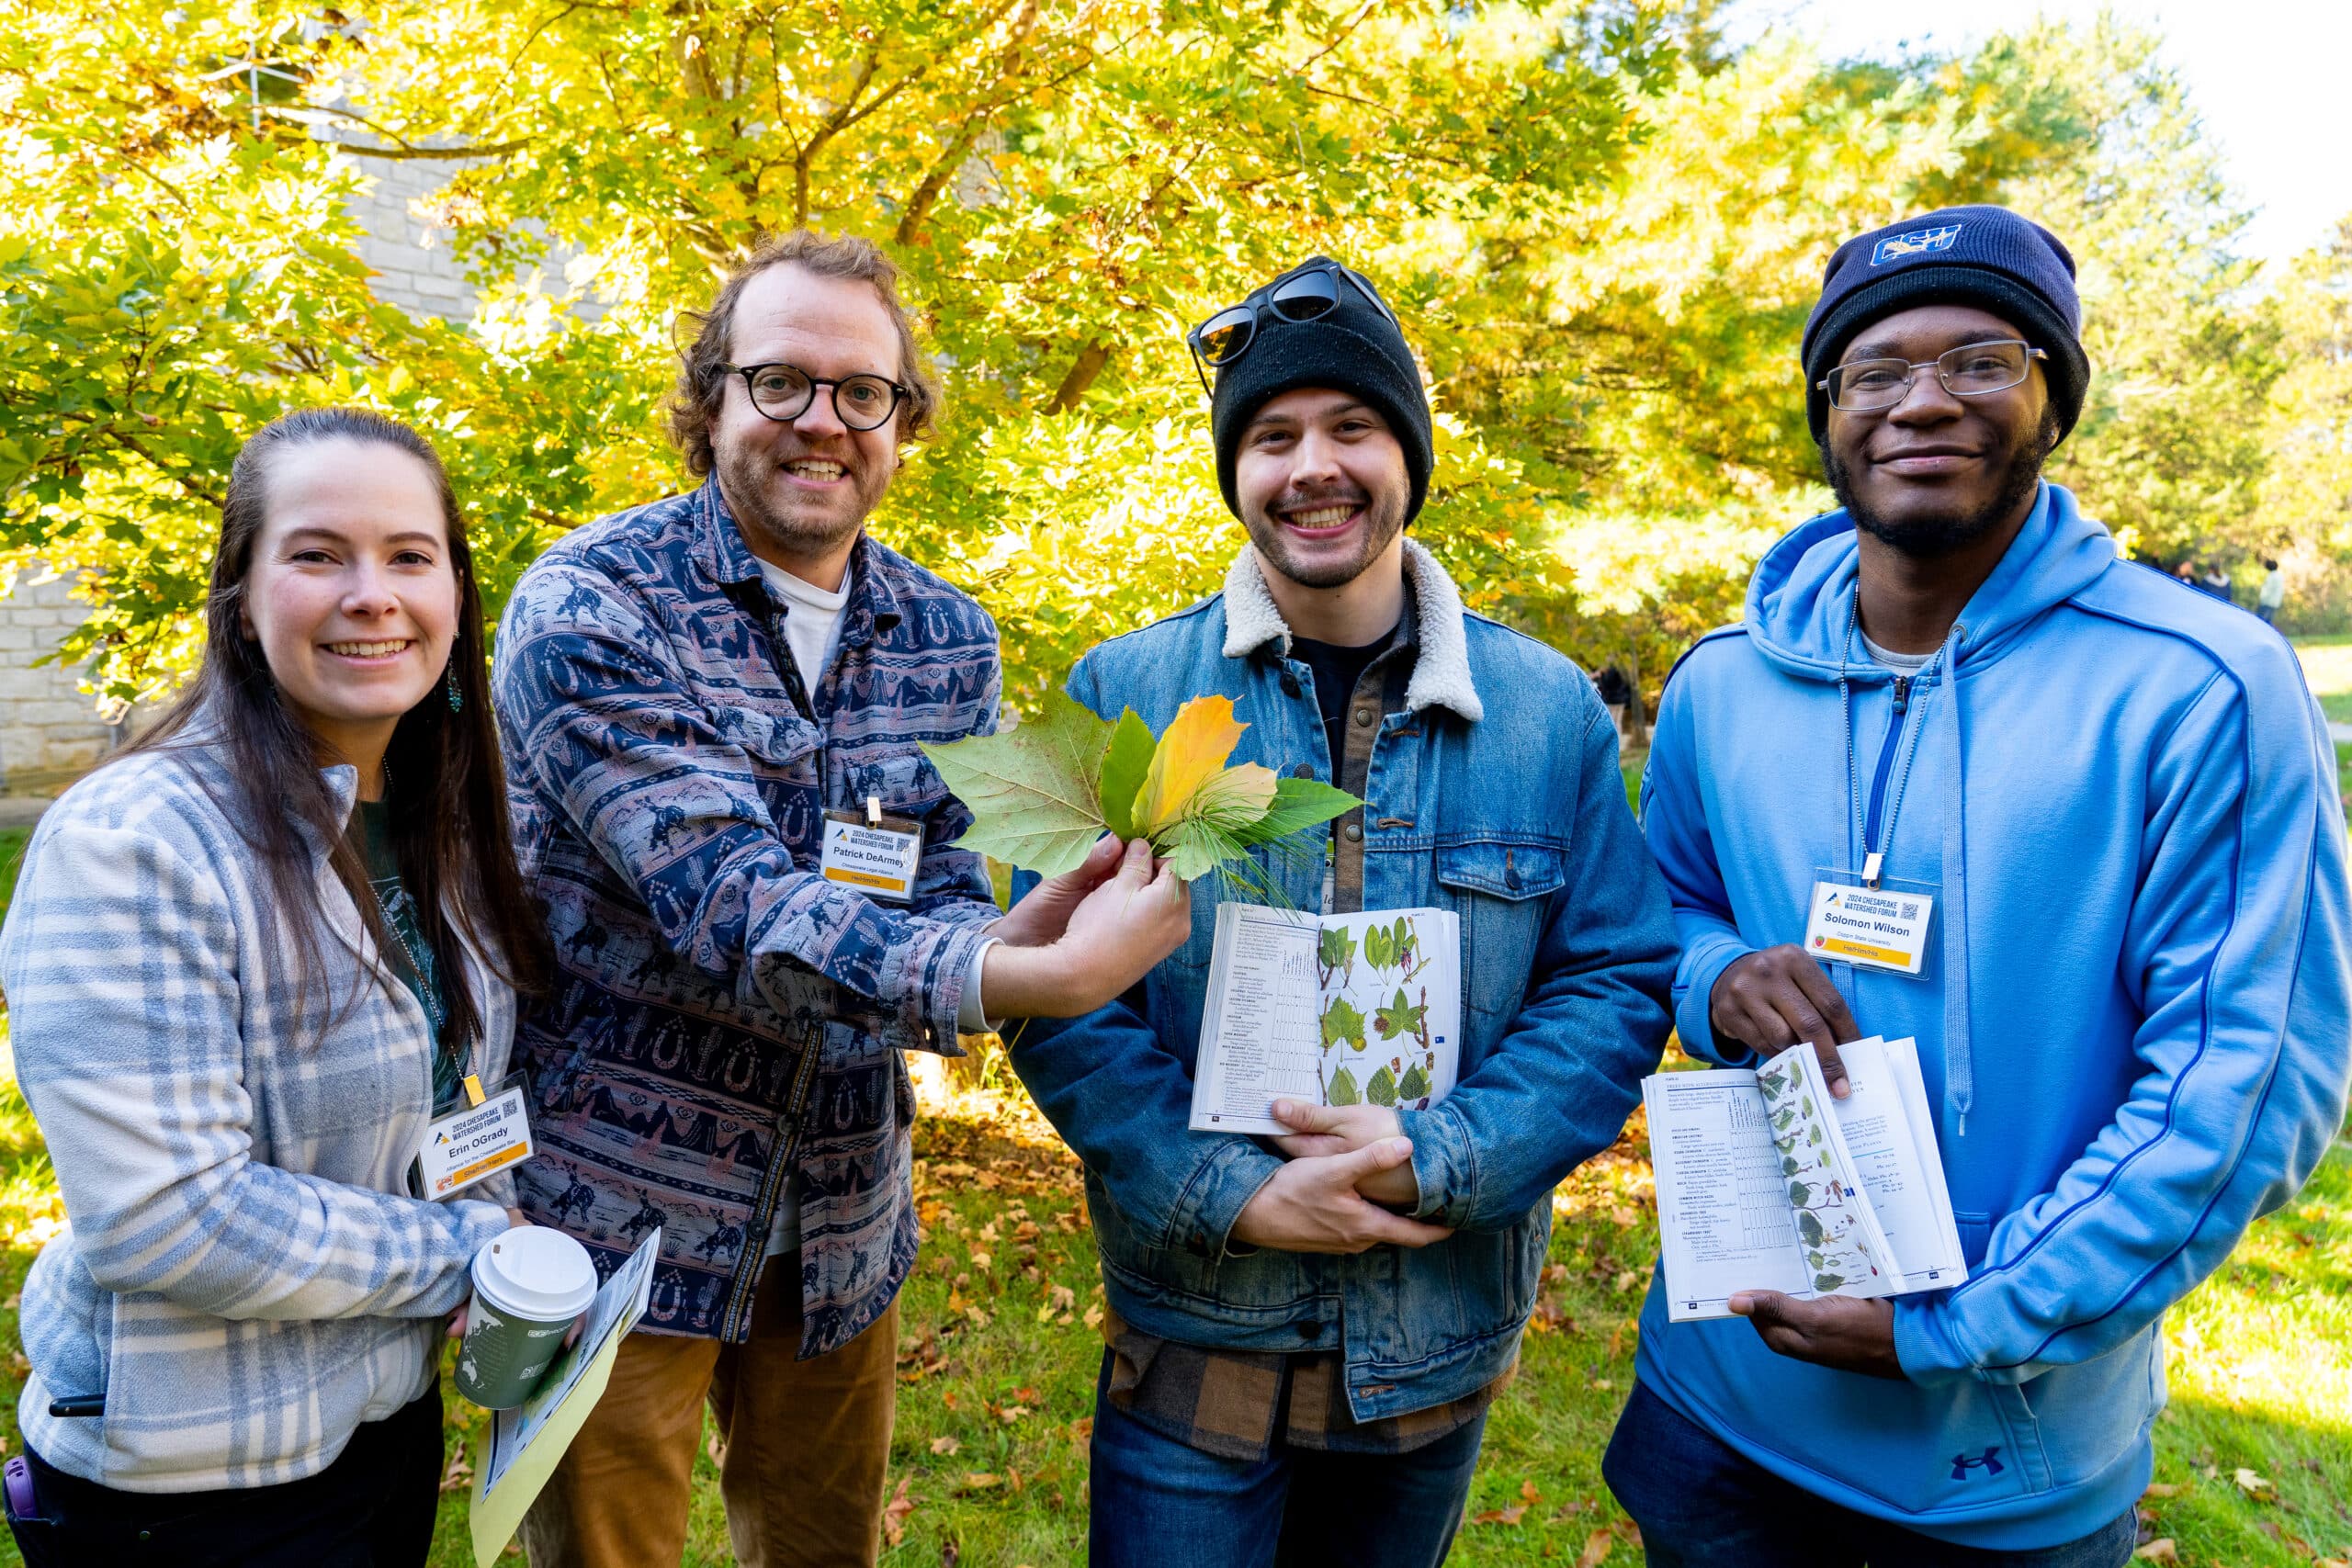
x=1595, y=1549
x=894, y=1514
x=2160, y=1550
x=459, y=1473
x=2255, y=1486
x=944, y=1445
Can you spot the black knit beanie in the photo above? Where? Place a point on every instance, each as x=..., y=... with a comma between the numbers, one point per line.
x=1352, y=347
x=1984, y=256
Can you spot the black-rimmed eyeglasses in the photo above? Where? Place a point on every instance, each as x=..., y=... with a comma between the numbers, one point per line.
x=1869, y=386
x=1302, y=297
x=784, y=392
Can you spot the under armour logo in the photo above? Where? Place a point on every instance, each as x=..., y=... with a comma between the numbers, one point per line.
x=1961, y=1464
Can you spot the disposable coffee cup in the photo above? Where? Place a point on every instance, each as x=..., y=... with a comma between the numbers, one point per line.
x=530, y=1284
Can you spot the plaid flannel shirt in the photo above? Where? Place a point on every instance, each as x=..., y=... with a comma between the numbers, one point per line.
x=245, y=1280
x=722, y=1014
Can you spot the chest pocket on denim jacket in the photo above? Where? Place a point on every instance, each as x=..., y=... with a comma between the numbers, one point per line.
x=1502, y=892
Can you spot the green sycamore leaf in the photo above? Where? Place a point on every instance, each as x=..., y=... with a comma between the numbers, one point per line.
x=1397, y=1018
x=1124, y=767
x=1341, y=1021
x=1299, y=804
x=1382, y=1089
x=1341, y=1091
x=1033, y=792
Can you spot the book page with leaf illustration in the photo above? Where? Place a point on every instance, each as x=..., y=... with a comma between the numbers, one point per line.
x=1388, y=999
x=1758, y=1192
x=1845, y=1251
x=1336, y=1009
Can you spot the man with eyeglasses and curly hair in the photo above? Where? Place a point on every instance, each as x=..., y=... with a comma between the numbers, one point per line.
x=2099, y=811
x=711, y=707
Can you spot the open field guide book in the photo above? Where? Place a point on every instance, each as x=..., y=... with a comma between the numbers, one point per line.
x=1330, y=1009
x=1764, y=1183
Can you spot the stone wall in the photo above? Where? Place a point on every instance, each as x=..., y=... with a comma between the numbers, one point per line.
x=48, y=727
x=414, y=265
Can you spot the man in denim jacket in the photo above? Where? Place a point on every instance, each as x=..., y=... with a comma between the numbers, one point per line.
x=1304, y=1334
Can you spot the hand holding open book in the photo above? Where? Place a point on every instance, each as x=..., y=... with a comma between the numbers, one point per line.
x=1766, y=1183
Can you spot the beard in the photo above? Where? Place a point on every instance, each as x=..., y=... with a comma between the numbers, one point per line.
x=1384, y=519
x=1927, y=539
x=770, y=513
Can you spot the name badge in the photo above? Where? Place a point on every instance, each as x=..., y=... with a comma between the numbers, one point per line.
x=878, y=855
x=1871, y=928
x=475, y=1141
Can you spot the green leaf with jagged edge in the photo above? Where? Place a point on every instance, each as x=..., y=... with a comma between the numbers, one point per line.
x=1809, y=1229
x=1398, y=1019
x=1341, y=1089
x=1196, y=846
x=1341, y=1021
x=1299, y=804
x=1379, y=948
x=1827, y=1283
x=1033, y=792
x=1124, y=767
x=1414, y=1085
x=1382, y=1089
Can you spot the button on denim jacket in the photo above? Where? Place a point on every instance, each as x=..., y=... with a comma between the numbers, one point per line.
x=1495, y=793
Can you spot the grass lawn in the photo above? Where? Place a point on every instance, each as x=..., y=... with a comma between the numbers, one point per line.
x=998, y=1358
x=2327, y=665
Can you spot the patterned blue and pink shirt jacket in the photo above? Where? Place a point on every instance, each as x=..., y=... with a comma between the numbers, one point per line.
x=722, y=1014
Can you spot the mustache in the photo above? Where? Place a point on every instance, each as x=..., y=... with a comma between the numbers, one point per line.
x=1303, y=500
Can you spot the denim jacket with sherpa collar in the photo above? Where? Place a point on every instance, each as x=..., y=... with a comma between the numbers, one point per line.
x=1493, y=791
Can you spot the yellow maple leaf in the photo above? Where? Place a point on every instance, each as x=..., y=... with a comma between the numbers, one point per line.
x=1191, y=750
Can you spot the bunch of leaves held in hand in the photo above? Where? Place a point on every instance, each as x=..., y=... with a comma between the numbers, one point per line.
x=1042, y=795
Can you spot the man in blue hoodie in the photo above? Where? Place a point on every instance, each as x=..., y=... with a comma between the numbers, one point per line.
x=2114, y=798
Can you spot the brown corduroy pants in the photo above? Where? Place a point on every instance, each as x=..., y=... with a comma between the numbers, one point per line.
x=807, y=1443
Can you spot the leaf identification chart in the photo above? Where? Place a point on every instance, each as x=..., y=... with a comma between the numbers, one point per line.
x=1330, y=1009
x=1766, y=1183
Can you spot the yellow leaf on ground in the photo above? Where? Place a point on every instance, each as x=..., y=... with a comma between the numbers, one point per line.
x=2160, y=1550
x=1596, y=1548
x=944, y=1445
x=1193, y=746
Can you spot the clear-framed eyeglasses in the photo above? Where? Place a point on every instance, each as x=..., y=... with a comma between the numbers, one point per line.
x=783, y=392
x=1972, y=370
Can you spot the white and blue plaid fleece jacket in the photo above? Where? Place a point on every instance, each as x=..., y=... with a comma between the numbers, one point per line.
x=242, y=1279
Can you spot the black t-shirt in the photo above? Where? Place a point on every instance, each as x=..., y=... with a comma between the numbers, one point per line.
x=1335, y=670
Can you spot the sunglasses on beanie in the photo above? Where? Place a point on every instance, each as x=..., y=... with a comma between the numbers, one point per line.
x=1305, y=296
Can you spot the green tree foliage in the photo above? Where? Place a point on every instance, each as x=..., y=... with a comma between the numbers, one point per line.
x=1602, y=230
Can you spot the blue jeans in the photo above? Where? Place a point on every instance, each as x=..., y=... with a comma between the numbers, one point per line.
x=1700, y=1502
x=1161, y=1503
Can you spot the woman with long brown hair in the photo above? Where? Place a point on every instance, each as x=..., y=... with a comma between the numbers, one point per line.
x=250, y=962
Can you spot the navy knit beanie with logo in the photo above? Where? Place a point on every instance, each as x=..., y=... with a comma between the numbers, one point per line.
x=1354, y=347
x=1984, y=256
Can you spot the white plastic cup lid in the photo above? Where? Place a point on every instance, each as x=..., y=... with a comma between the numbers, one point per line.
x=535, y=1272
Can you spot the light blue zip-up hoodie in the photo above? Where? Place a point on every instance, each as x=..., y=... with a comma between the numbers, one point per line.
x=2134, y=1015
